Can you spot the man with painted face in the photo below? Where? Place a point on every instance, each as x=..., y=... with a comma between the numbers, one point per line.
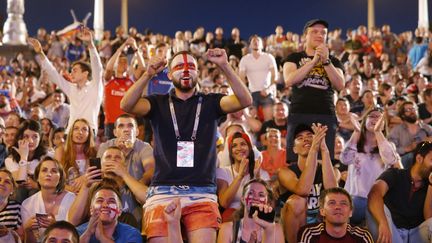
x=184, y=123
x=408, y=134
x=313, y=75
x=103, y=226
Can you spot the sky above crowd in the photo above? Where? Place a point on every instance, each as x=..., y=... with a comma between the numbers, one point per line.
x=251, y=16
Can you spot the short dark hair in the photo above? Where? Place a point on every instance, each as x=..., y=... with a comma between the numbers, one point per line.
x=85, y=66
x=423, y=149
x=401, y=110
x=62, y=225
x=334, y=190
x=62, y=181
x=125, y=116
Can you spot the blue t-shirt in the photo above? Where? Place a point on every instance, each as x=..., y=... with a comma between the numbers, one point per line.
x=123, y=234
x=160, y=84
x=74, y=52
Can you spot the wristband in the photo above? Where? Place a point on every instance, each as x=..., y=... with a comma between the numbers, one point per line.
x=327, y=62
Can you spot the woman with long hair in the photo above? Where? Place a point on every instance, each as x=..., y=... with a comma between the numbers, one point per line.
x=368, y=153
x=24, y=156
x=231, y=178
x=75, y=154
x=51, y=203
x=247, y=225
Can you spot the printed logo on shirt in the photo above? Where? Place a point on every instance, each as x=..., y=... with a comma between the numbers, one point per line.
x=313, y=199
x=117, y=93
x=316, y=78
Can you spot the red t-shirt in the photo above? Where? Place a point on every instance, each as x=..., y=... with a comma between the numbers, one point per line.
x=115, y=89
x=272, y=165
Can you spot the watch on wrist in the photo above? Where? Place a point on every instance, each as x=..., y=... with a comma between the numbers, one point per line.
x=22, y=163
x=326, y=62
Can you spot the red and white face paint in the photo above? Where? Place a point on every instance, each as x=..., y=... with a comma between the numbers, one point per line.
x=184, y=71
x=256, y=194
x=111, y=208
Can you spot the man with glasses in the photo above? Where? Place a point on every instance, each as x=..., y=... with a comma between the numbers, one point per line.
x=400, y=202
x=410, y=133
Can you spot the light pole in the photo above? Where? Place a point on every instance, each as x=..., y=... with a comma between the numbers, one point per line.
x=423, y=19
x=371, y=15
x=98, y=19
x=124, y=15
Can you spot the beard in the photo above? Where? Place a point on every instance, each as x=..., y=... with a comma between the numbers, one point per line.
x=179, y=86
x=410, y=119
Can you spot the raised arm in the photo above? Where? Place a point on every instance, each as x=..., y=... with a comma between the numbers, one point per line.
x=133, y=102
x=241, y=97
x=303, y=185
x=376, y=207
x=47, y=66
x=329, y=177
x=109, y=69
x=97, y=69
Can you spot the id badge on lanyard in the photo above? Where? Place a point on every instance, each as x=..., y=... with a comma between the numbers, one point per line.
x=185, y=154
x=185, y=149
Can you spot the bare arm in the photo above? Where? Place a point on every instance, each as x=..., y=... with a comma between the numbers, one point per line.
x=133, y=102
x=335, y=76
x=109, y=69
x=148, y=165
x=227, y=192
x=241, y=97
x=329, y=177
x=294, y=75
x=376, y=207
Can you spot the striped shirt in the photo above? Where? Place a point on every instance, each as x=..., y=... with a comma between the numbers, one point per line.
x=10, y=216
x=316, y=233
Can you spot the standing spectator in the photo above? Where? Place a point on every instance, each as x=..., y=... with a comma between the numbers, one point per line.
x=399, y=203
x=261, y=72
x=235, y=44
x=185, y=148
x=85, y=92
x=313, y=75
x=336, y=208
x=75, y=51
x=417, y=52
x=117, y=82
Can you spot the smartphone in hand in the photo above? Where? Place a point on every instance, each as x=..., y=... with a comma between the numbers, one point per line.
x=269, y=217
x=96, y=162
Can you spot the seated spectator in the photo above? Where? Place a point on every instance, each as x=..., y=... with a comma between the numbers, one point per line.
x=336, y=208
x=103, y=226
x=274, y=157
x=231, y=178
x=223, y=156
x=368, y=153
x=24, y=157
x=345, y=118
x=279, y=121
x=399, y=203
x=369, y=101
x=57, y=139
x=305, y=179
x=10, y=210
x=410, y=133
x=425, y=109
x=47, y=126
x=132, y=191
x=75, y=154
x=61, y=231
x=341, y=170
x=50, y=204
x=139, y=154
x=58, y=111
x=252, y=229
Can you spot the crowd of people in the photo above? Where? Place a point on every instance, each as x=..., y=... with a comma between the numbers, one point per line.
x=292, y=137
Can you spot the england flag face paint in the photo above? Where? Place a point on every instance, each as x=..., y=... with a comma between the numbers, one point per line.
x=106, y=202
x=184, y=72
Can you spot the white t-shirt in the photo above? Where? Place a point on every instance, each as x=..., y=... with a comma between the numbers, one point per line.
x=258, y=71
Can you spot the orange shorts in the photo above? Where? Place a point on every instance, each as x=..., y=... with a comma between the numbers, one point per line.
x=196, y=216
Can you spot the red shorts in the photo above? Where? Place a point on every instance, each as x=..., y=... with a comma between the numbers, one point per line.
x=196, y=216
